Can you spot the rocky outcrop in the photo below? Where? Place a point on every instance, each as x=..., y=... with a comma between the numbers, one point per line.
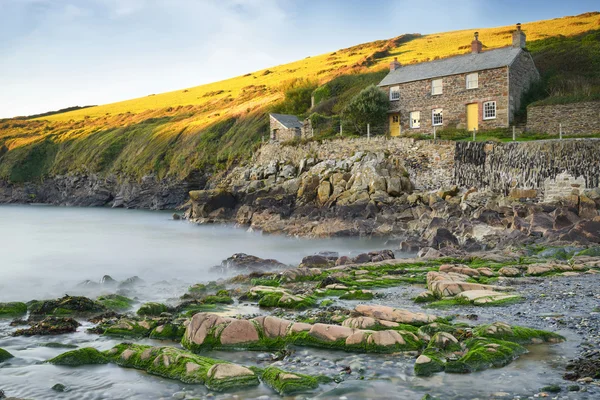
x=94, y=190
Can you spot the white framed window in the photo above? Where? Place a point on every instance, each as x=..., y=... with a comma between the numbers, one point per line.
x=473, y=81
x=436, y=86
x=395, y=93
x=437, y=118
x=415, y=119
x=395, y=119
x=489, y=110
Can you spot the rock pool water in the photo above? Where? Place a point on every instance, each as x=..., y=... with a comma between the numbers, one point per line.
x=48, y=250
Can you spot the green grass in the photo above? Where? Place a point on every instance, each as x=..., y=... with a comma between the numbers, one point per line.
x=210, y=128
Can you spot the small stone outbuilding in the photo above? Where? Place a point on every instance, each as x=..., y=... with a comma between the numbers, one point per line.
x=285, y=127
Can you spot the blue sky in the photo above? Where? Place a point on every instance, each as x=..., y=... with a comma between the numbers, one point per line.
x=61, y=53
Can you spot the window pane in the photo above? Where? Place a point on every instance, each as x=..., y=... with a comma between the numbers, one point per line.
x=489, y=110
x=472, y=81
x=436, y=117
x=415, y=119
x=436, y=86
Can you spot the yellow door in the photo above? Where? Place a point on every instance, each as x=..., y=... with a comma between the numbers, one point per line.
x=472, y=117
x=395, y=125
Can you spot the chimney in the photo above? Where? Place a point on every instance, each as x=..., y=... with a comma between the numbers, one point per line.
x=476, y=45
x=394, y=65
x=519, y=37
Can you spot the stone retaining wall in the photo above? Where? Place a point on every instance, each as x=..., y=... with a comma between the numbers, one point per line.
x=548, y=168
x=576, y=118
x=429, y=163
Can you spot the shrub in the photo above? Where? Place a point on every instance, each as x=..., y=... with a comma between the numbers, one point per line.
x=368, y=107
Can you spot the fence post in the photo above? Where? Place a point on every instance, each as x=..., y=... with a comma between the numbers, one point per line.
x=263, y=138
x=514, y=136
x=434, y=134
x=560, y=131
x=474, y=133
x=341, y=129
x=368, y=131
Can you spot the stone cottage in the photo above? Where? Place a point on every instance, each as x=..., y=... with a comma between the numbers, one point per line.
x=285, y=127
x=476, y=91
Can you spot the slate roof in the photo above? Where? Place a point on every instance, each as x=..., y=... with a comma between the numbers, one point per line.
x=453, y=65
x=289, y=121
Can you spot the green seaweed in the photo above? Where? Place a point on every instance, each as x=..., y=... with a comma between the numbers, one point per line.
x=357, y=295
x=4, y=355
x=485, y=353
x=517, y=334
x=11, y=310
x=286, y=383
x=152, y=309
x=168, y=331
x=85, y=356
x=115, y=302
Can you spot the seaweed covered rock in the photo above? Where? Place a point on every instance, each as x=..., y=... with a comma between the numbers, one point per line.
x=128, y=327
x=484, y=353
x=152, y=309
x=269, y=296
x=67, y=305
x=50, y=326
x=357, y=295
x=241, y=262
x=209, y=331
x=85, y=356
x=286, y=383
x=173, y=363
x=168, y=331
x=115, y=302
x=12, y=310
x=4, y=355
x=517, y=334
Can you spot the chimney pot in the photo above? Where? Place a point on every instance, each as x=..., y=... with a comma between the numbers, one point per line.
x=476, y=45
x=519, y=39
x=394, y=65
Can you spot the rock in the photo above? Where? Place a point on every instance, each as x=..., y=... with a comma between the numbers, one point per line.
x=316, y=261
x=360, y=322
x=441, y=238
x=459, y=269
x=509, y=271
x=323, y=192
x=585, y=231
x=330, y=333
x=449, y=191
x=480, y=297
x=536, y=270
x=204, y=202
x=152, y=309
x=239, y=331
x=50, y=326
x=84, y=356
x=67, y=305
x=248, y=263
x=59, y=387
x=12, y=310
x=394, y=314
x=286, y=383
x=4, y=355
x=173, y=363
x=176, y=217
x=108, y=281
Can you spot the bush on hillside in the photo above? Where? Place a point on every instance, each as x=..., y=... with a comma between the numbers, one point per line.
x=370, y=106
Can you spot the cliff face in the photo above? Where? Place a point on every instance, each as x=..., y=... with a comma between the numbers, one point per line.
x=94, y=190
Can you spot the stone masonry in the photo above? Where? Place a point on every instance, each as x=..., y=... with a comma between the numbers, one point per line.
x=576, y=118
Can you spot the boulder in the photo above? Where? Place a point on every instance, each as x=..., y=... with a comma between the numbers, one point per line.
x=441, y=238
x=394, y=314
x=510, y=271
x=323, y=192
x=316, y=261
x=204, y=202
x=50, y=326
x=241, y=262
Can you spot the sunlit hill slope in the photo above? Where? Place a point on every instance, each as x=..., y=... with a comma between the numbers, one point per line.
x=212, y=126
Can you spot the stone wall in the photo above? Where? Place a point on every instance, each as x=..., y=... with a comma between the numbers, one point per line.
x=576, y=118
x=416, y=96
x=541, y=169
x=522, y=74
x=429, y=164
x=280, y=132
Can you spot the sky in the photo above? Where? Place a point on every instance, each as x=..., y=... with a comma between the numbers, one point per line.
x=61, y=53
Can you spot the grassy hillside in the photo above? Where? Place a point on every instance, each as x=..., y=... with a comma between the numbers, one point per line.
x=215, y=125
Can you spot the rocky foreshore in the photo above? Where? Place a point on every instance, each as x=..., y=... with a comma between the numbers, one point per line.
x=465, y=314
x=371, y=194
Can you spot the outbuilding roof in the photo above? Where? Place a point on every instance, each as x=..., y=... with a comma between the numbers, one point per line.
x=289, y=121
x=489, y=59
